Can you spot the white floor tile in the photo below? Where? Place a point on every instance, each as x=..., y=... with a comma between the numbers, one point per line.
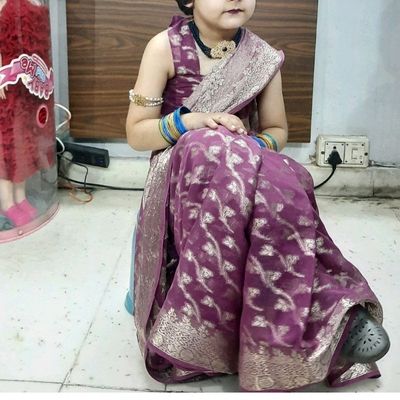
x=82, y=388
x=110, y=355
x=229, y=383
x=22, y=386
x=368, y=234
x=52, y=283
x=371, y=385
x=62, y=294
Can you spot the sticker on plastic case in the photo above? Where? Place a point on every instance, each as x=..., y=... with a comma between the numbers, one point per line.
x=33, y=73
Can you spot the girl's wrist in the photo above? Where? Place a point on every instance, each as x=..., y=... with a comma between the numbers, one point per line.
x=186, y=119
x=172, y=127
x=266, y=140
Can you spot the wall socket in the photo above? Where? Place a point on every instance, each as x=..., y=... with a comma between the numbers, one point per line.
x=353, y=150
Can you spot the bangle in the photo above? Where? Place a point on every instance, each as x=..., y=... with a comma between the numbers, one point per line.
x=259, y=141
x=178, y=119
x=171, y=126
x=164, y=134
x=270, y=140
x=266, y=141
x=144, y=101
x=173, y=130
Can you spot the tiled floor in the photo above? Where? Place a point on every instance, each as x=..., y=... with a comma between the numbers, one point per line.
x=63, y=326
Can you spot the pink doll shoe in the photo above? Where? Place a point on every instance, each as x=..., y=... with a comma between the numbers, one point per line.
x=28, y=209
x=17, y=216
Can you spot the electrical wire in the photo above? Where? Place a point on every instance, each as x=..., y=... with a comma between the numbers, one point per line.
x=75, y=190
x=67, y=120
x=61, y=143
x=334, y=160
x=89, y=185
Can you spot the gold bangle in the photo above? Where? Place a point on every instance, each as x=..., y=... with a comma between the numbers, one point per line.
x=271, y=139
x=173, y=130
x=163, y=134
x=144, y=101
x=266, y=141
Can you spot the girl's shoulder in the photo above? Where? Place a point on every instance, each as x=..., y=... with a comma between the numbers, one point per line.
x=159, y=42
x=158, y=48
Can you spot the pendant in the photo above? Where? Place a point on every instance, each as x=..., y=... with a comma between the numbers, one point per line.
x=223, y=49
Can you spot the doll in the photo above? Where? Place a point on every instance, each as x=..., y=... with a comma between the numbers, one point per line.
x=27, y=139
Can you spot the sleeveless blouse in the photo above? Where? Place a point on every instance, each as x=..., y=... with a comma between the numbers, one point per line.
x=186, y=63
x=187, y=68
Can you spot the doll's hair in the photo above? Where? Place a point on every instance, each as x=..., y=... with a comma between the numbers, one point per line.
x=182, y=6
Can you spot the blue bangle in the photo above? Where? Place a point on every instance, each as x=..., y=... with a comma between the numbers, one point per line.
x=166, y=131
x=260, y=142
x=273, y=140
x=178, y=120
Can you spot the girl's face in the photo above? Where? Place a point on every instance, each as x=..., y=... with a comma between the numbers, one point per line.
x=223, y=14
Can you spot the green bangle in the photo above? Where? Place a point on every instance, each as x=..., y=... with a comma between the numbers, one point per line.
x=272, y=139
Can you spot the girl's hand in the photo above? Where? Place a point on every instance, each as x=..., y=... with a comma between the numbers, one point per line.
x=3, y=93
x=212, y=120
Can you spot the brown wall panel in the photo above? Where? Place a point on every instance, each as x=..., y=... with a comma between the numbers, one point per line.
x=107, y=38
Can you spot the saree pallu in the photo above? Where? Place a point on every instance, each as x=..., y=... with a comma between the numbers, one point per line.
x=234, y=271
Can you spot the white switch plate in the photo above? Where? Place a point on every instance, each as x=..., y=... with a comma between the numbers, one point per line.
x=353, y=150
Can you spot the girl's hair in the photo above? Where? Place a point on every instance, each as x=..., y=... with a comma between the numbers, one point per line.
x=182, y=6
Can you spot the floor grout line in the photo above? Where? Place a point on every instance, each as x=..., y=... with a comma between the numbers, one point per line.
x=81, y=385
x=30, y=381
x=75, y=362
x=113, y=388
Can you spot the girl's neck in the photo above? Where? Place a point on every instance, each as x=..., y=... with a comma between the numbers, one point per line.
x=211, y=36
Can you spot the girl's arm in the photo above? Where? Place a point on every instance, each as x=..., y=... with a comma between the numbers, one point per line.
x=155, y=69
x=271, y=111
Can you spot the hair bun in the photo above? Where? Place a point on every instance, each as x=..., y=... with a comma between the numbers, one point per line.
x=183, y=8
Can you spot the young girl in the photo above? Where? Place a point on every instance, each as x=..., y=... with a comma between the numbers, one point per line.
x=27, y=139
x=234, y=271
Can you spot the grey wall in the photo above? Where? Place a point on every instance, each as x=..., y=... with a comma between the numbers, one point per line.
x=357, y=76
x=59, y=48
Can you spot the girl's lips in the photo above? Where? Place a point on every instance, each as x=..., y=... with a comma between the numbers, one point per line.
x=234, y=12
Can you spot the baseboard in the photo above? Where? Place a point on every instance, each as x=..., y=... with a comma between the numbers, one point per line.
x=347, y=182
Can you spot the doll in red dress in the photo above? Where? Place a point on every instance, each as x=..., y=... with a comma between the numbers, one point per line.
x=27, y=139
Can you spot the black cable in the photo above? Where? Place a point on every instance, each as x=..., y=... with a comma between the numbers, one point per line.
x=94, y=186
x=91, y=186
x=334, y=160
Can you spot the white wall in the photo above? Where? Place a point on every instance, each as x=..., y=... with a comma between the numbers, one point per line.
x=357, y=73
x=357, y=76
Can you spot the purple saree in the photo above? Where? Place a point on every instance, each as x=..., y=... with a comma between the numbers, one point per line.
x=234, y=270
